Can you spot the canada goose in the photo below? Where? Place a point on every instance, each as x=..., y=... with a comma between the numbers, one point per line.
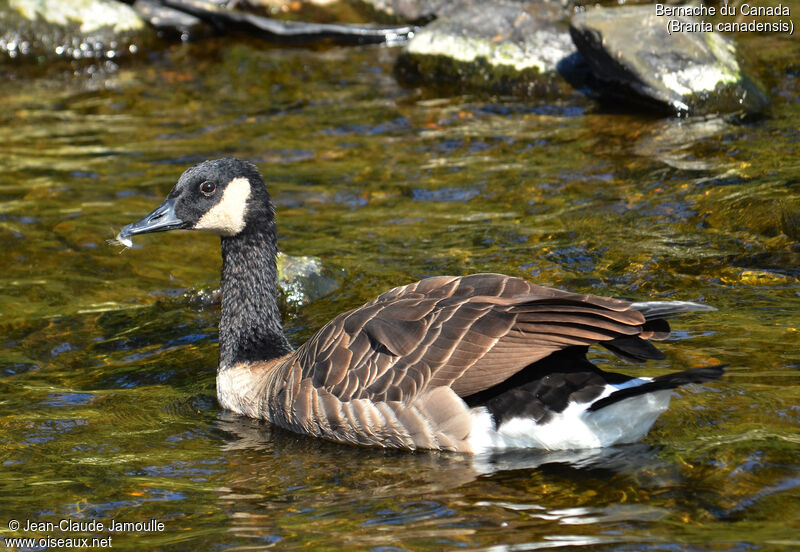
x=473, y=363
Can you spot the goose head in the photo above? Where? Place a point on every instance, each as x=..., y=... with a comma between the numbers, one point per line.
x=228, y=197
x=224, y=197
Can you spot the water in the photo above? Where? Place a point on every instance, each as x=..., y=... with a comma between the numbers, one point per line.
x=108, y=355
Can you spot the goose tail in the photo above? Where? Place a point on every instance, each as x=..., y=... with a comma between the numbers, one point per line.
x=702, y=374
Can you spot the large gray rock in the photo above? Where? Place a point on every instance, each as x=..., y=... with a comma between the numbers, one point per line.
x=500, y=47
x=406, y=11
x=634, y=58
x=74, y=29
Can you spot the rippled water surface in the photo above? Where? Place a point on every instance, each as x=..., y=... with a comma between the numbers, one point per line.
x=107, y=359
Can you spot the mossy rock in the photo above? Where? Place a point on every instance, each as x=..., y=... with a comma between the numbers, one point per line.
x=508, y=48
x=634, y=59
x=45, y=30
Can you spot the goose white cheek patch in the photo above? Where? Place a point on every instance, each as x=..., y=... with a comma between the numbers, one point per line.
x=226, y=218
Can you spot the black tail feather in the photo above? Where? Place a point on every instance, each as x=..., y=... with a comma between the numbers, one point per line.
x=633, y=349
x=655, y=328
x=668, y=381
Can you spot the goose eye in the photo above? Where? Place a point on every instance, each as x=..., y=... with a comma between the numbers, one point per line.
x=208, y=188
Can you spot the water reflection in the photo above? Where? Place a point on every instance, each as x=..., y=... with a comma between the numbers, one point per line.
x=624, y=459
x=434, y=471
x=325, y=484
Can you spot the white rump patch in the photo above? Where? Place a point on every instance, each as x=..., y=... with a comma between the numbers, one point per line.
x=226, y=218
x=626, y=421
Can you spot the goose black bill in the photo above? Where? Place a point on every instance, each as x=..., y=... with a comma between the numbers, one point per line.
x=161, y=219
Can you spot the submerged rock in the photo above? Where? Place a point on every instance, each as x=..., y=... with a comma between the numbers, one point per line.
x=672, y=141
x=632, y=57
x=76, y=29
x=302, y=280
x=504, y=48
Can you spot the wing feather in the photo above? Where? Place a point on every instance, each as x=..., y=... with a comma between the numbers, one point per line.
x=468, y=333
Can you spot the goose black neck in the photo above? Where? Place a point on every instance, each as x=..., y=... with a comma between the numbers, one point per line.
x=250, y=325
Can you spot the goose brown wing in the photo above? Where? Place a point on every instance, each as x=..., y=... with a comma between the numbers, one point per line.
x=469, y=333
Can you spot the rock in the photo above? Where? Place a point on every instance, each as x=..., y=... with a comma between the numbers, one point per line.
x=289, y=32
x=73, y=29
x=672, y=141
x=302, y=280
x=509, y=48
x=633, y=58
x=171, y=22
x=404, y=11
x=275, y=6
